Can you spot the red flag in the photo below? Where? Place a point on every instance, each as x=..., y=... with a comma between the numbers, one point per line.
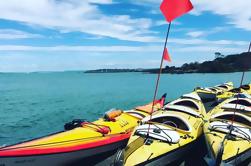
x=161, y=101
x=172, y=9
x=166, y=56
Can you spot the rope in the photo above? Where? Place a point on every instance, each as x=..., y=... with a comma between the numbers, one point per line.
x=98, y=129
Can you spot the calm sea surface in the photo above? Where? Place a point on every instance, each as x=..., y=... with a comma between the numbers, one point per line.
x=35, y=104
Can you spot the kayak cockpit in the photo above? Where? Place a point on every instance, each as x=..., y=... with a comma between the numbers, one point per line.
x=245, y=87
x=172, y=121
x=236, y=107
x=183, y=109
x=238, y=117
x=213, y=89
x=164, y=127
x=223, y=87
x=193, y=96
x=241, y=101
x=168, y=119
x=237, y=126
x=187, y=103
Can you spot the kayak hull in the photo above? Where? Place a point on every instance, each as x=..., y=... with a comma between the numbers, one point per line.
x=241, y=159
x=173, y=157
x=90, y=156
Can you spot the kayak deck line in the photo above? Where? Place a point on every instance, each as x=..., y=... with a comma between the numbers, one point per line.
x=25, y=150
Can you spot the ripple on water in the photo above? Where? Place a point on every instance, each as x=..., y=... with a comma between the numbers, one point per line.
x=32, y=105
x=4, y=136
x=59, y=101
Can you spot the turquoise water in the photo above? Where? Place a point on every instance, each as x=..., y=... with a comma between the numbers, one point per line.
x=35, y=104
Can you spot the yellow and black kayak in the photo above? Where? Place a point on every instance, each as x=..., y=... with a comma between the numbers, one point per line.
x=210, y=93
x=81, y=141
x=167, y=136
x=243, y=90
x=246, y=88
x=228, y=133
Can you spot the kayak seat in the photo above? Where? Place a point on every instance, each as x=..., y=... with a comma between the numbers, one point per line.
x=159, y=132
x=170, y=119
x=237, y=130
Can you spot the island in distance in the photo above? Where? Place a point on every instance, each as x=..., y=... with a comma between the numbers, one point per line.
x=221, y=64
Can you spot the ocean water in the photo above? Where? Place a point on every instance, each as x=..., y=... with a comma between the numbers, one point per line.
x=36, y=104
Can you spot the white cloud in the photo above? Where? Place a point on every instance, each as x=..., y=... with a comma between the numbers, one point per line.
x=163, y=22
x=146, y=2
x=75, y=15
x=100, y=1
x=195, y=34
x=54, y=58
x=160, y=23
x=176, y=44
x=238, y=13
x=16, y=34
x=188, y=41
x=203, y=33
x=211, y=49
x=93, y=49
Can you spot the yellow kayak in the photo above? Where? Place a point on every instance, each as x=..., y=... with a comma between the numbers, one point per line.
x=245, y=89
x=228, y=132
x=169, y=135
x=210, y=93
x=81, y=142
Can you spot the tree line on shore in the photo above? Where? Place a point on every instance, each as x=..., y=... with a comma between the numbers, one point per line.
x=221, y=64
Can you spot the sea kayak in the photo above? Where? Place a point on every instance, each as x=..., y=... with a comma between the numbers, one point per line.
x=228, y=133
x=210, y=93
x=81, y=141
x=243, y=90
x=167, y=136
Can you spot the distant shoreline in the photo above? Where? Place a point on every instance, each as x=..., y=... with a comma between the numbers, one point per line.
x=223, y=64
x=227, y=64
x=97, y=72
x=151, y=71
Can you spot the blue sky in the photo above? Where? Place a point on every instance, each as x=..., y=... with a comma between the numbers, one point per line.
x=59, y=35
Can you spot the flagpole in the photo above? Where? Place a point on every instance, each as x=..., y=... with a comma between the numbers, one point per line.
x=158, y=77
x=160, y=68
x=243, y=73
x=242, y=78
